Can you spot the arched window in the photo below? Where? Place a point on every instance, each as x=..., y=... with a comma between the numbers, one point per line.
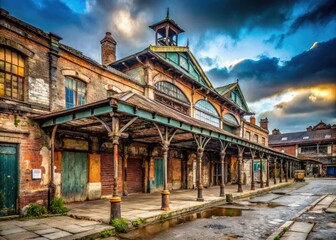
x=206, y=112
x=230, y=120
x=172, y=96
x=75, y=92
x=12, y=72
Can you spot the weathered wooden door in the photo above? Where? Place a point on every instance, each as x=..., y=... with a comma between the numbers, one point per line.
x=217, y=173
x=158, y=173
x=135, y=178
x=107, y=173
x=8, y=179
x=74, y=176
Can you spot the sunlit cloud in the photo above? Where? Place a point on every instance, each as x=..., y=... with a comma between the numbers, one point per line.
x=314, y=45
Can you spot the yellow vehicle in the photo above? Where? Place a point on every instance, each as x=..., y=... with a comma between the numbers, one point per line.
x=299, y=175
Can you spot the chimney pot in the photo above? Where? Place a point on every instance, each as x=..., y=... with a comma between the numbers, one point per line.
x=252, y=120
x=264, y=123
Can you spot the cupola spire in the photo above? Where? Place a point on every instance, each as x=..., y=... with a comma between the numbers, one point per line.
x=166, y=31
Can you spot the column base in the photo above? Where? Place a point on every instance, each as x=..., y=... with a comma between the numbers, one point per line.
x=200, y=194
x=115, y=208
x=240, y=188
x=165, y=200
x=222, y=191
x=252, y=186
x=267, y=184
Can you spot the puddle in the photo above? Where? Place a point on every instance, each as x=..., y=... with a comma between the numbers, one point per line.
x=149, y=231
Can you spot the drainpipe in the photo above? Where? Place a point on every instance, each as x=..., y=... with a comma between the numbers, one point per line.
x=51, y=190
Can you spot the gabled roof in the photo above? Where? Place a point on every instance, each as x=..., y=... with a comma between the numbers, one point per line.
x=173, y=55
x=167, y=21
x=223, y=90
x=324, y=135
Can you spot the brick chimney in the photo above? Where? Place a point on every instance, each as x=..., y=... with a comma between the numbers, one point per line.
x=252, y=120
x=309, y=129
x=276, y=131
x=108, y=49
x=264, y=123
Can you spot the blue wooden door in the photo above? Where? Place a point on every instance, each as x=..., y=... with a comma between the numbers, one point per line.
x=331, y=171
x=74, y=176
x=158, y=173
x=8, y=179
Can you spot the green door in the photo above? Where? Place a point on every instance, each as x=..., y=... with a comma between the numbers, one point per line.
x=8, y=179
x=158, y=174
x=74, y=176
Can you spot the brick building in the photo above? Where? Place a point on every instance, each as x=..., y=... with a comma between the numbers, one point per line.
x=152, y=121
x=315, y=147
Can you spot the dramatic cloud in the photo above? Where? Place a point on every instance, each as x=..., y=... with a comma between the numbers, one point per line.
x=269, y=76
x=319, y=15
x=231, y=39
x=299, y=108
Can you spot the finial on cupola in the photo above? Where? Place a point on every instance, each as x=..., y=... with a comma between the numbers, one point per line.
x=167, y=17
x=237, y=80
x=188, y=42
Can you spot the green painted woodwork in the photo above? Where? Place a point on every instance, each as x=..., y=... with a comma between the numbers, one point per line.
x=158, y=173
x=183, y=62
x=256, y=165
x=237, y=97
x=229, y=129
x=8, y=179
x=167, y=121
x=74, y=176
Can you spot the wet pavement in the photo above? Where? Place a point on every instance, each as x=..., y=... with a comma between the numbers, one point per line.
x=60, y=227
x=260, y=216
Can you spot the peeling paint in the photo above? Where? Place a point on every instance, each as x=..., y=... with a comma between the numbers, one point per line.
x=45, y=153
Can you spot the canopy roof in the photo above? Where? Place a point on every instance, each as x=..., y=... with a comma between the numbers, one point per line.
x=87, y=119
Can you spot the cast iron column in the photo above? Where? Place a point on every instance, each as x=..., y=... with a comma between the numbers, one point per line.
x=275, y=167
x=281, y=161
x=240, y=160
x=286, y=170
x=253, y=152
x=267, y=171
x=199, y=170
x=165, y=193
x=115, y=200
x=261, y=174
x=222, y=185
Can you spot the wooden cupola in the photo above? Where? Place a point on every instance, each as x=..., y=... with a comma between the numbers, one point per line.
x=166, y=32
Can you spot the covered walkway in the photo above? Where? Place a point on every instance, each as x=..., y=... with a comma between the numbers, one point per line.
x=148, y=206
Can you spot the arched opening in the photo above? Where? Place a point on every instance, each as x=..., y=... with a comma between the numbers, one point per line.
x=171, y=96
x=206, y=112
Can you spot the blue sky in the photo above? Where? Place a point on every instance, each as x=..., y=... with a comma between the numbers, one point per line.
x=282, y=51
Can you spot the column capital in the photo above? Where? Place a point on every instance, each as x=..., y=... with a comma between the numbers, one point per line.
x=165, y=145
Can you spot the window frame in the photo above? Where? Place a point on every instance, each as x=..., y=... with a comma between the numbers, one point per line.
x=76, y=92
x=248, y=133
x=20, y=65
x=172, y=96
x=206, y=115
x=255, y=138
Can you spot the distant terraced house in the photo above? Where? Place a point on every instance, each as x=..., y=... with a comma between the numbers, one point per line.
x=315, y=147
x=152, y=121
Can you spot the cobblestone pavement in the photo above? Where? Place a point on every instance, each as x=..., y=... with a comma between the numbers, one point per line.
x=263, y=216
x=50, y=228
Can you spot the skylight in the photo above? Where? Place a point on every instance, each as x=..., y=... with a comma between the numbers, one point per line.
x=284, y=139
x=305, y=137
x=327, y=136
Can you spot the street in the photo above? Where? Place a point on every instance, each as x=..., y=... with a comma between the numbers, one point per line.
x=263, y=215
